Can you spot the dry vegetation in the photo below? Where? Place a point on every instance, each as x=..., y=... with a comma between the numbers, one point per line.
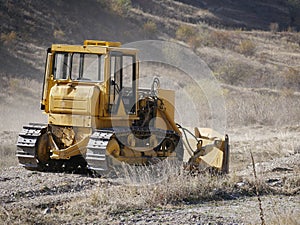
x=259, y=73
x=137, y=191
x=19, y=100
x=8, y=149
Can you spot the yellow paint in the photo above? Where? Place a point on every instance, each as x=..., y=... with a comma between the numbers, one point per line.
x=214, y=158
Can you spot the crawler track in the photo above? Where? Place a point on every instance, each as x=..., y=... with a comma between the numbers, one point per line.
x=28, y=141
x=101, y=164
x=96, y=151
x=95, y=159
x=26, y=145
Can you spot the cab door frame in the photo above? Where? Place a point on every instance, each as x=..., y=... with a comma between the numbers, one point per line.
x=119, y=93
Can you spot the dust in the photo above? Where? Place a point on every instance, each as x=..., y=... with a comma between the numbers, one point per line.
x=14, y=116
x=20, y=104
x=189, y=97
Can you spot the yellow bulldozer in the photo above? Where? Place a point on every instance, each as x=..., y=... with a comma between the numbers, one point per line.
x=99, y=118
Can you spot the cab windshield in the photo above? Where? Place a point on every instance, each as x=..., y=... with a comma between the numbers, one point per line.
x=78, y=66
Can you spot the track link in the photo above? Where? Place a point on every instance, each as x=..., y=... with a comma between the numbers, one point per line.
x=27, y=143
x=96, y=151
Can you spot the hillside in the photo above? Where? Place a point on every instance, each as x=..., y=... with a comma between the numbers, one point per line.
x=29, y=27
x=245, y=14
x=247, y=56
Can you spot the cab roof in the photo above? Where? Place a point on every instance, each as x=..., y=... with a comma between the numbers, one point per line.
x=93, y=46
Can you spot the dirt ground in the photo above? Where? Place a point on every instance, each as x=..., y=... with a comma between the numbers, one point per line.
x=56, y=198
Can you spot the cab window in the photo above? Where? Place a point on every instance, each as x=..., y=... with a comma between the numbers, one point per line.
x=122, y=81
x=79, y=66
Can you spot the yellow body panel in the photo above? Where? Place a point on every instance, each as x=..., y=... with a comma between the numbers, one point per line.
x=75, y=99
x=70, y=120
x=166, y=113
x=169, y=101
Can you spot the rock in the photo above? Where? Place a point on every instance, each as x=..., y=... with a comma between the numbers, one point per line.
x=47, y=211
x=281, y=169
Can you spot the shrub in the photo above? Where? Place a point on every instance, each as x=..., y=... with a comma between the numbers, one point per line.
x=236, y=73
x=185, y=32
x=246, y=47
x=58, y=34
x=7, y=38
x=220, y=39
x=14, y=85
x=189, y=35
x=149, y=28
x=292, y=78
x=274, y=27
x=195, y=42
x=120, y=7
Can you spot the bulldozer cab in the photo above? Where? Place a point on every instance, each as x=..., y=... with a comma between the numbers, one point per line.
x=101, y=73
x=122, y=82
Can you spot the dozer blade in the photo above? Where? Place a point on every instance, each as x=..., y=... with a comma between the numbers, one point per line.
x=207, y=148
x=214, y=158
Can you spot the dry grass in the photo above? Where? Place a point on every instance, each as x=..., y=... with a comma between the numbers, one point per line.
x=253, y=59
x=16, y=87
x=7, y=38
x=262, y=106
x=144, y=187
x=246, y=47
x=7, y=156
x=158, y=186
x=140, y=188
x=287, y=217
x=172, y=185
x=167, y=186
x=8, y=149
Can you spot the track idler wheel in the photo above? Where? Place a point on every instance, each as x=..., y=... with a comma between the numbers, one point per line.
x=43, y=151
